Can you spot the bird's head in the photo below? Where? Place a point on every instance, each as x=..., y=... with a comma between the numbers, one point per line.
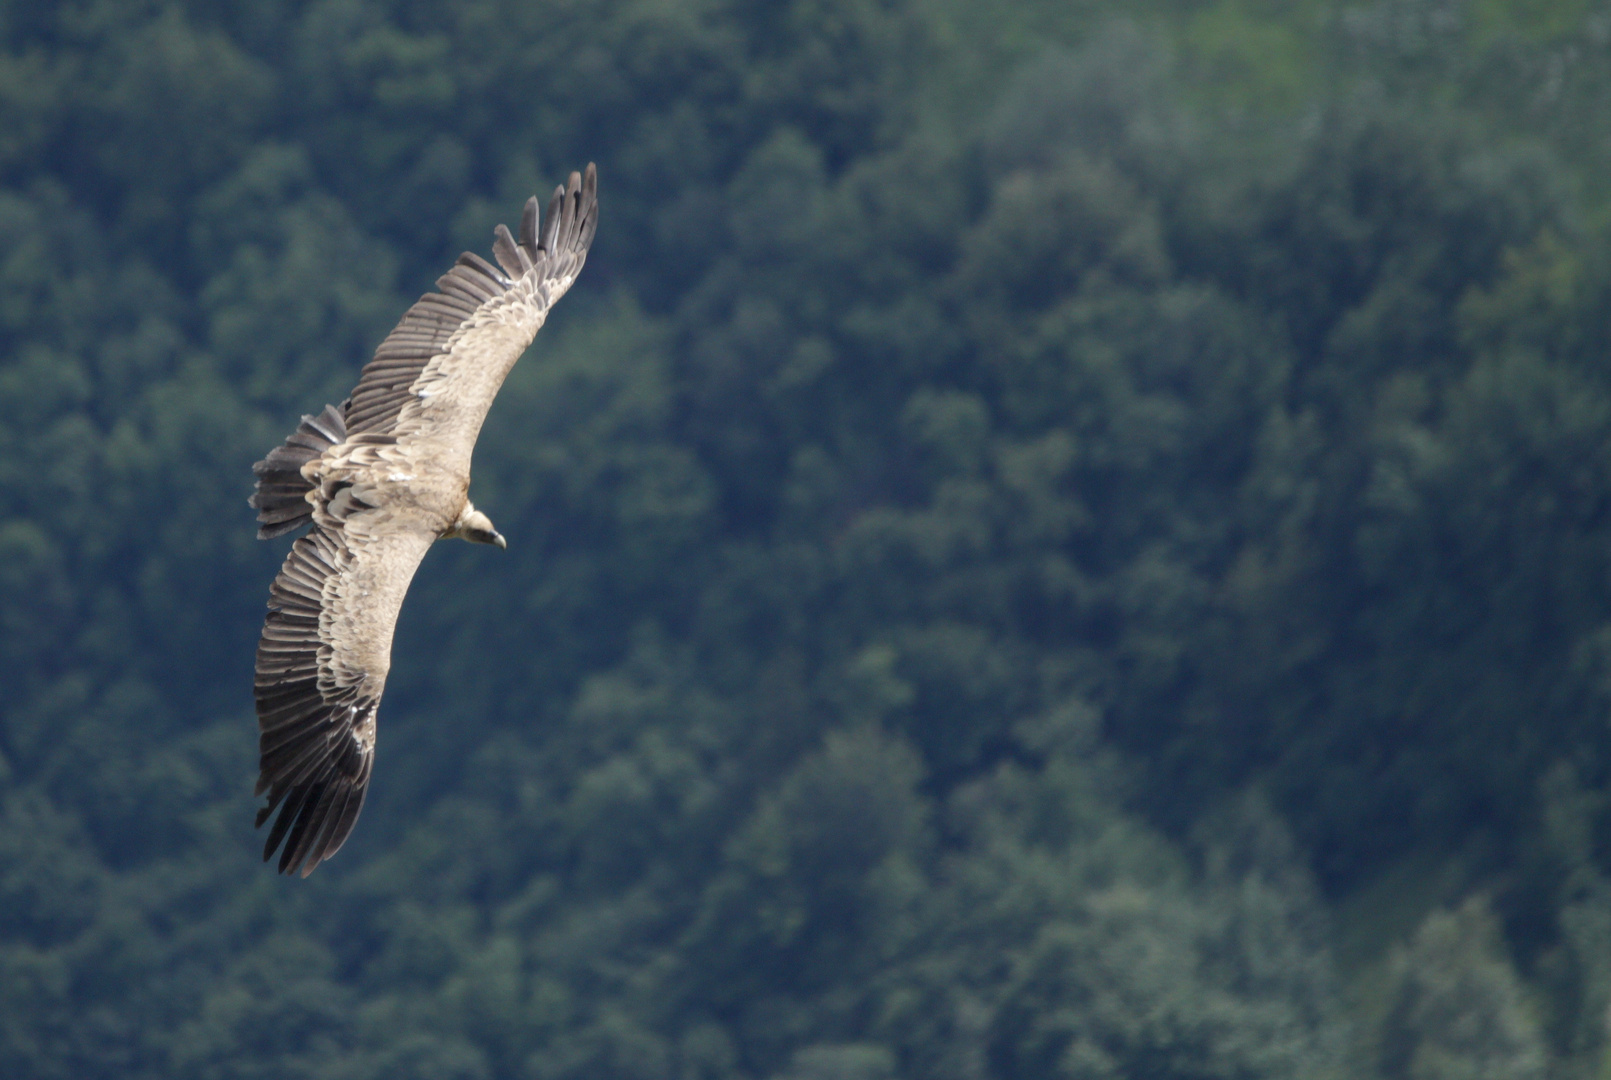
x=475, y=527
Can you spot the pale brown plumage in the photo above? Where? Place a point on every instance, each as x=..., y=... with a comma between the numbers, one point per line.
x=381, y=477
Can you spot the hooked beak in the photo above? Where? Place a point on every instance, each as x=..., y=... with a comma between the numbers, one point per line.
x=497, y=538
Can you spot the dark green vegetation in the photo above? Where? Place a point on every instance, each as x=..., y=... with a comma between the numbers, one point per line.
x=1039, y=548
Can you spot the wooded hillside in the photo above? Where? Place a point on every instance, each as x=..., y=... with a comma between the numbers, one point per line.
x=1042, y=545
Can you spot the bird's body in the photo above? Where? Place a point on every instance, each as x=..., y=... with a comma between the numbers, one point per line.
x=381, y=478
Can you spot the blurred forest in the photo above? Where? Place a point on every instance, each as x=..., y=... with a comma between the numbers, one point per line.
x=1042, y=546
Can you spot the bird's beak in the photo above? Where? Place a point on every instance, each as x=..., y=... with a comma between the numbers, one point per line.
x=497, y=538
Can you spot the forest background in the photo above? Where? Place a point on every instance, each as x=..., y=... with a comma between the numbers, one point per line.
x=1043, y=545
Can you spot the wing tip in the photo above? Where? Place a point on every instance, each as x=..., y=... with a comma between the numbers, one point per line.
x=315, y=820
x=567, y=223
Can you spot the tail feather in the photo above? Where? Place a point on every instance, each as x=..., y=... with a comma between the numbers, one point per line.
x=280, y=499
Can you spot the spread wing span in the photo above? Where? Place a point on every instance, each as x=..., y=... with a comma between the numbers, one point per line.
x=380, y=478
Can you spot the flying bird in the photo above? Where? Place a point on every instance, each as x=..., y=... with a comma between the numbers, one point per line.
x=380, y=478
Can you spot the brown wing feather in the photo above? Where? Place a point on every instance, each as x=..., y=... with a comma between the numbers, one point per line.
x=311, y=732
x=520, y=289
x=421, y=334
x=280, y=498
x=460, y=341
x=321, y=670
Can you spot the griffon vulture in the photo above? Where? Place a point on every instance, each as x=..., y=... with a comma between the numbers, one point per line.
x=380, y=478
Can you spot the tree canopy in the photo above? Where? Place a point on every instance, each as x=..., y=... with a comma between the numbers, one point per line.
x=1043, y=544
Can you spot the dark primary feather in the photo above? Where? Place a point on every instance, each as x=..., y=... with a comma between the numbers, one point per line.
x=315, y=767
x=528, y=222
x=510, y=255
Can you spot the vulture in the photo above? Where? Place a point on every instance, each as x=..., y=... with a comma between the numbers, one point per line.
x=379, y=478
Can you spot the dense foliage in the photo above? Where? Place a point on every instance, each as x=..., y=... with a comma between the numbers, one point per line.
x=1040, y=547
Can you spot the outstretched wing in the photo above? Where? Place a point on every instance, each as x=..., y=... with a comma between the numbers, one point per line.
x=434, y=377
x=321, y=669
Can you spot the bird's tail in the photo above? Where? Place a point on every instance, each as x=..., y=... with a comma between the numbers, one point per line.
x=281, y=489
